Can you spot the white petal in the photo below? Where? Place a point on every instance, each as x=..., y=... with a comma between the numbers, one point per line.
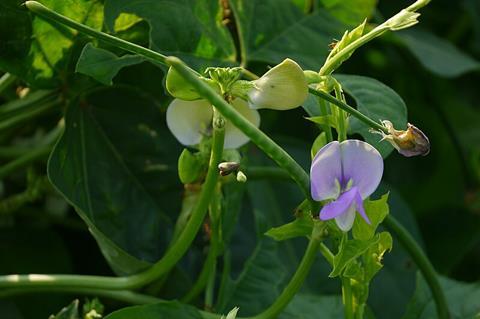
x=345, y=221
x=326, y=172
x=234, y=138
x=281, y=88
x=363, y=164
x=189, y=120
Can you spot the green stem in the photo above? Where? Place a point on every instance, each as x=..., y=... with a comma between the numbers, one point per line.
x=341, y=119
x=24, y=160
x=347, y=108
x=326, y=253
x=6, y=80
x=282, y=158
x=265, y=143
x=324, y=112
x=347, y=297
x=27, y=114
x=297, y=280
x=422, y=262
x=171, y=257
x=333, y=62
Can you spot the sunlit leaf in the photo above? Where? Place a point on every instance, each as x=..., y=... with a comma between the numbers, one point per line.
x=376, y=211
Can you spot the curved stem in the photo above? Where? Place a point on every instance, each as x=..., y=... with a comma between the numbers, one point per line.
x=265, y=143
x=297, y=280
x=171, y=257
x=422, y=262
x=347, y=108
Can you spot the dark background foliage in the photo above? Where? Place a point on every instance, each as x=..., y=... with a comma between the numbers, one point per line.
x=116, y=163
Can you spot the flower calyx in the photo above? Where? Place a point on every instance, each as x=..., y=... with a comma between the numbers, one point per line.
x=409, y=142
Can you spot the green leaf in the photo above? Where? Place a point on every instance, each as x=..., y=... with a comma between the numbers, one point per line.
x=272, y=30
x=323, y=120
x=302, y=226
x=376, y=211
x=348, y=251
x=258, y=284
x=102, y=65
x=69, y=312
x=189, y=29
x=372, y=260
x=305, y=306
x=463, y=299
x=438, y=55
x=377, y=101
x=37, y=51
x=163, y=310
x=114, y=164
x=350, y=12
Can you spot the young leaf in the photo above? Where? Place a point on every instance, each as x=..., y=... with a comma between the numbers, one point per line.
x=376, y=211
x=102, y=65
x=189, y=167
x=319, y=142
x=171, y=309
x=372, y=260
x=302, y=226
x=69, y=312
x=349, y=250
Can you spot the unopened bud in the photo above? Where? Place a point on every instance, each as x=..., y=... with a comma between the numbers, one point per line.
x=227, y=168
x=241, y=177
x=411, y=142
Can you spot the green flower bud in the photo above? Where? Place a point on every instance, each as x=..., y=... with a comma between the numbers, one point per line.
x=283, y=87
x=241, y=177
x=181, y=89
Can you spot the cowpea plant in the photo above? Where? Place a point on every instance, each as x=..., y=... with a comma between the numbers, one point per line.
x=163, y=180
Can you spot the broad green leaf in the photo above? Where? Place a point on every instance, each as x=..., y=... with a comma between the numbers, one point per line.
x=259, y=283
x=114, y=164
x=377, y=101
x=37, y=51
x=306, y=306
x=376, y=211
x=102, y=65
x=463, y=299
x=272, y=30
x=348, y=251
x=189, y=29
x=302, y=226
x=438, y=55
x=69, y=312
x=163, y=310
x=350, y=12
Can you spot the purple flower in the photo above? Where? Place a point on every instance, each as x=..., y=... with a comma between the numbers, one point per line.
x=347, y=173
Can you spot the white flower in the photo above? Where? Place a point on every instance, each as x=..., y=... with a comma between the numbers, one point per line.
x=283, y=87
x=189, y=121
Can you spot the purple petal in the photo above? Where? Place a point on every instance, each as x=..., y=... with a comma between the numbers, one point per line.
x=363, y=164
x=326, y=170
x=360, y=208
x=339, y=206
x=345, y=221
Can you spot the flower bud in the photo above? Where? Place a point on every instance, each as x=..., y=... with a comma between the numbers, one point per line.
x=411, y=142
x=283, y=87
x=227, y=168
x=183, y=90
x=241, y=177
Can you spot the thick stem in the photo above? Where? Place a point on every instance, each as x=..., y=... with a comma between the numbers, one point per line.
x=347, y=298
x=265, y=143
x=324, y=112
x=422, y=262
x=172, y=256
